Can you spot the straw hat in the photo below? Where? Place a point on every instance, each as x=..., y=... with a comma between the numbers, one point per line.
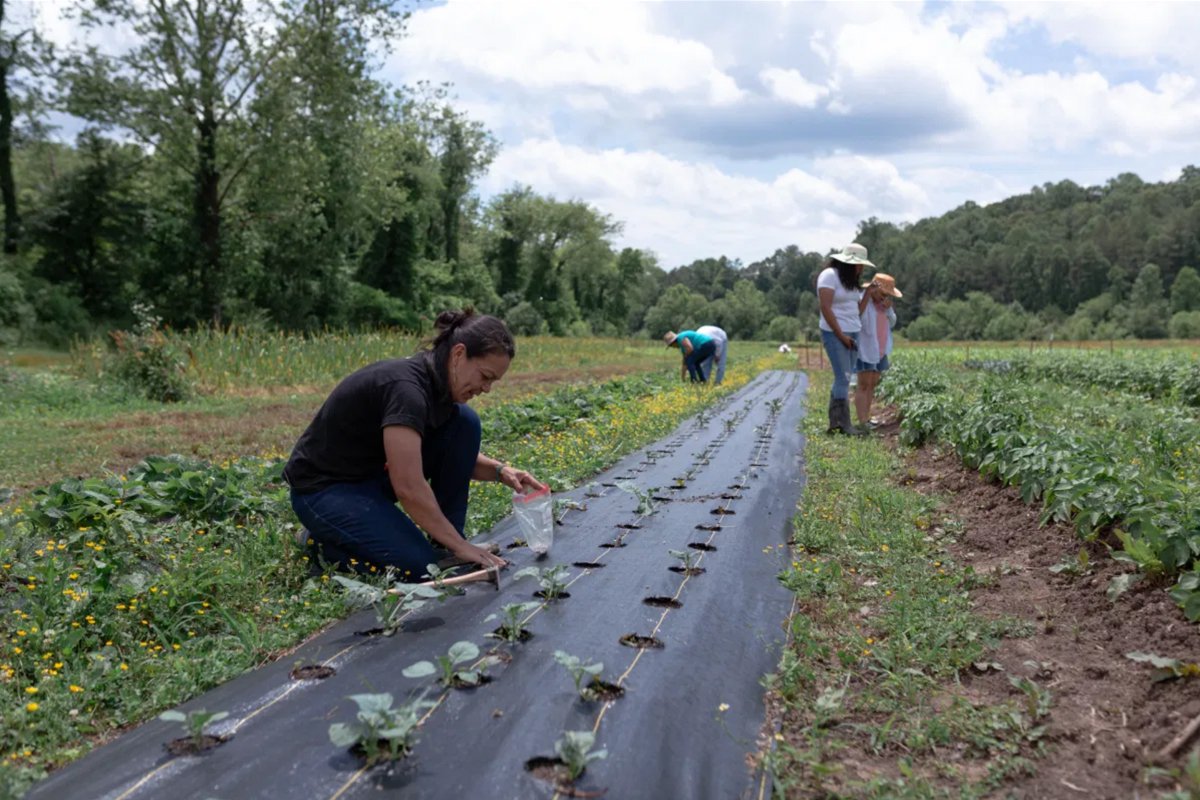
x=886, y=284
x=669, y=337
x=853, y=253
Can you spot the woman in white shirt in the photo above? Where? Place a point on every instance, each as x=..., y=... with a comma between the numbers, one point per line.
x=841, y=308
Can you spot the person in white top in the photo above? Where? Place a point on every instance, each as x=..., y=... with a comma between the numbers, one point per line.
x=841, y=309
x=721, y=340
x=874, y=343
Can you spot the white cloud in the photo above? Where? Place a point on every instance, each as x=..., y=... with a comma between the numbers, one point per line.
x=687, y=210
x=1145, y=31
x=790, y=86
x=548, y=46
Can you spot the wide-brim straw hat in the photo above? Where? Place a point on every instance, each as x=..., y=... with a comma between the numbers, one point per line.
x=853, y=253
x=887, y=284
x=669, y=337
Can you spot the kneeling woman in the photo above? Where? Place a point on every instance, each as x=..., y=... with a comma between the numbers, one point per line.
x=401, y=430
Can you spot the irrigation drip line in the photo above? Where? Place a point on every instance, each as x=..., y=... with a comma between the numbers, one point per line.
x=728, y=482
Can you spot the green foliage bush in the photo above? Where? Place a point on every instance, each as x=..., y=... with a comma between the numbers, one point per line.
x=61, y=316
x=524, y=320
x=783, y=329
x=368, y=307
x=16, y=315
x=147, y=362
x=1185, y=325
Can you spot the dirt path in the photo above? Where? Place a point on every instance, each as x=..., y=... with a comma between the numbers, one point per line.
x=1108, y=718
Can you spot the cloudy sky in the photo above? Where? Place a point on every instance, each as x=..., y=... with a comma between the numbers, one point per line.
x=735, y=128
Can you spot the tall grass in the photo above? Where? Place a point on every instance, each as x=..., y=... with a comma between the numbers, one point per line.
x=223, y=360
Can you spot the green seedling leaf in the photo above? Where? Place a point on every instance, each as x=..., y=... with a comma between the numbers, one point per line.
x=421, y=669
x=1166, y=669
x=1120, y=584
x=463, y=651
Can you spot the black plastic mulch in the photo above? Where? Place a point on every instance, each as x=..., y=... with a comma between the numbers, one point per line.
x=666, y=737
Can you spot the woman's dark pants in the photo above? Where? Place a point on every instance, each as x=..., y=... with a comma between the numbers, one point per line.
x=697, y=357
x=358, y=525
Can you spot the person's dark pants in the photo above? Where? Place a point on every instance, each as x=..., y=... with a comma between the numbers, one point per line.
x=698, y=356
x=358, y=525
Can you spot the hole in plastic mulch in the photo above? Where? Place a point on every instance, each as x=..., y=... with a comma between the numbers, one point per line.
x=613, y=544
x=312, y=672
x=687, y=570
x=712, y=527
x=458, y=683
x=705, y=546
x=662, y=602
x=603, y=691
x=541, y=595
x=641, y=642
x=587, y=564
x=185, y=745
x=523, y=636
x=629, y=526
x=723, y=511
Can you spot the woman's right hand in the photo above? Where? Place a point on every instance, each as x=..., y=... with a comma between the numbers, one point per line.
x=485, y=559
x=847, y=342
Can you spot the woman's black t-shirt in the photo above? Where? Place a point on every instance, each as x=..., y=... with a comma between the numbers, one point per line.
x=344, y=442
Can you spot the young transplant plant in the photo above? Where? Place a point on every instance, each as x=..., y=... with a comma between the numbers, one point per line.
x=390, y=604
x=582, y=672
x=378, y=730
x=551, y=579
x=511, y=627
x=575, y=750
x=459, y=653
x=194, y=723
x=686, y=556
x=645, y=499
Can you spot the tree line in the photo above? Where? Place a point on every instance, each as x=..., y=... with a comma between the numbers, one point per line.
x=241, y=164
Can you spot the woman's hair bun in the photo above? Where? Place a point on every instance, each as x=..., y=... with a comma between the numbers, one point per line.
x=449, y=320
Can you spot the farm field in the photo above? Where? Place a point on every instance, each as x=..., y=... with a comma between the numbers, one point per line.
x=960, y=627
x=126, y=596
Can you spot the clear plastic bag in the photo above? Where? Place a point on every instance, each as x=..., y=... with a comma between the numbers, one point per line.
x=535, y=512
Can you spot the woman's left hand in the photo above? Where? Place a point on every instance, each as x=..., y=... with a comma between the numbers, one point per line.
x=519, y=480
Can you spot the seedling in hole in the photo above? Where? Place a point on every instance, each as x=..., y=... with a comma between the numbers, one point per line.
x=563, y=505
x=511, y=627
x=686, y=556
x=389, y=606
x=645, y=498
x=730, y=425
x=378, y=729
x=575, y=750
x=591, y=490
x=775, y=405
x=194, y=722
x=582, y=672
x=551, y=579
x=459, y=653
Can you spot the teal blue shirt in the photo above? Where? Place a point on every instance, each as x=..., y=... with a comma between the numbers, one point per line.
x=698, y=340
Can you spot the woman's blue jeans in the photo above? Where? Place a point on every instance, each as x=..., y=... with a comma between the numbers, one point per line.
x=841, y=361
x=698, y=356
x=358, y=525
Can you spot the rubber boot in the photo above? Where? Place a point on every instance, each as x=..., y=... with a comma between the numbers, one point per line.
x=835, y=423
x=844, y=424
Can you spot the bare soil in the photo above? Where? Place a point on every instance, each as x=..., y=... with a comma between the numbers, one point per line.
x=1109, y=720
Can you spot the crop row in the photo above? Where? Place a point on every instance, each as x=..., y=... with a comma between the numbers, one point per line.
x=122, y=595
x=1106, y=461
x=1173, y=377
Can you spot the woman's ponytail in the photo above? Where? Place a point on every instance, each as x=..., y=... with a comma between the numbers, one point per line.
x=481, y=334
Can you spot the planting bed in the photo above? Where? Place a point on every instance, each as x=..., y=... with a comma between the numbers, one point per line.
x=727, y=485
